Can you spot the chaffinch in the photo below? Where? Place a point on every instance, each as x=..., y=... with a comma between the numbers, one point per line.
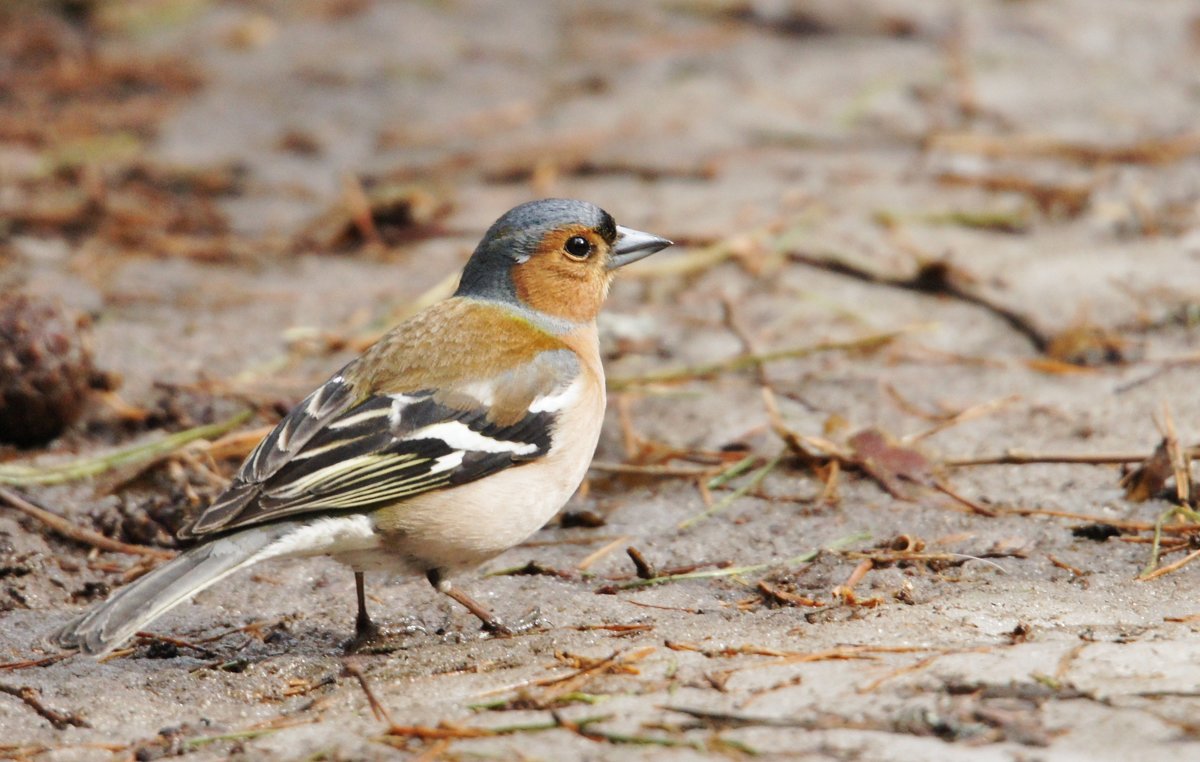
x=455, y=437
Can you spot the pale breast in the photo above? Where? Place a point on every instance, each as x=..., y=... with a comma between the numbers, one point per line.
x=461, y=527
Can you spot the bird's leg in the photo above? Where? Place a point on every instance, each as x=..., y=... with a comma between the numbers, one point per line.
x=443, y=585
x=364, y=629
x=363, y=626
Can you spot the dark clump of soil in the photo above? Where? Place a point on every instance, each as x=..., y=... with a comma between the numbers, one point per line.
x=46, y=369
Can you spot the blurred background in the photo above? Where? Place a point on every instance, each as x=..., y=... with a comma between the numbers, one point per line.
x=190, y=170
x=967, y=227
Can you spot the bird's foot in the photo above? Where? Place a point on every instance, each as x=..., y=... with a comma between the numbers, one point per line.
x=531, y=622
x=373, y=639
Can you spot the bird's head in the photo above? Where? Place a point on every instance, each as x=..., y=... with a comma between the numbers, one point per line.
x=554, y=256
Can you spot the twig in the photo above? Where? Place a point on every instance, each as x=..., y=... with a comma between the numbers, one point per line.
x=77, y=533
x=749, y=346
x=640, y=604
x=843, y=653
x=177, y=642
x=845, y=591
x=895, y=556
x=1059, y=563
x=398, y=735
x=1022, y=457
x=786, y=598
x=934, y=277
x=956, y=46
x=1131, y=526
x=60, y=720
x=644, y=569
x=13, y=666
x=377, y=709
x=1067, y=659
x=758, y=693
x=18, y=475
x=802, y=447
x=952, y=493
x=254, y=629
x=236, y=444
x=632, y=442
x=785, y=658
x=747, y=361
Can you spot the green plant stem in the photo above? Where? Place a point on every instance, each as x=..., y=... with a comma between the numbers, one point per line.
x=755, y=479
x=18, y=475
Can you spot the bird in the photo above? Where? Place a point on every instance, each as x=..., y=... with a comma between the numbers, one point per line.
x=454, y=437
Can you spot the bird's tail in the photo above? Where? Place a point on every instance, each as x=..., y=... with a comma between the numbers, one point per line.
x=134, y=606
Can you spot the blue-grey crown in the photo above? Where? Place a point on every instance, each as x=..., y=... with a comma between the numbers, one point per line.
x=515, y=237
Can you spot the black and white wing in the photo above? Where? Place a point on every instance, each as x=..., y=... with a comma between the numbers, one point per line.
x=338, y=451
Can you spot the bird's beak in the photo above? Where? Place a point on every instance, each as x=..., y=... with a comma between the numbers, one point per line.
x=633, y=245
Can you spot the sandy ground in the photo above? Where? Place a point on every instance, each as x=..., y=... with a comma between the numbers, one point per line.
x=810, y=158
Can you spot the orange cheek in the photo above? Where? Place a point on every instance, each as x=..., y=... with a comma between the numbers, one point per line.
x=556, y=286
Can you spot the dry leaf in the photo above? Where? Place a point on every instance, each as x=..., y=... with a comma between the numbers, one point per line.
x=1149, y=478
x=889, y=463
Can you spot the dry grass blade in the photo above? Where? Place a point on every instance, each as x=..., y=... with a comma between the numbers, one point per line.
x=1177, y=565
x=970, y=413
x=27, y=476
x=618, y=662
x=734, y=571
x=1180, y=459
x=756, y=478
x=664, y=471
x=1171, y=457
x=844, y=653
x=603, y=551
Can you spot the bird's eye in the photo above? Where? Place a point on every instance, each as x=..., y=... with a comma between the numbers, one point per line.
x=578, y=247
